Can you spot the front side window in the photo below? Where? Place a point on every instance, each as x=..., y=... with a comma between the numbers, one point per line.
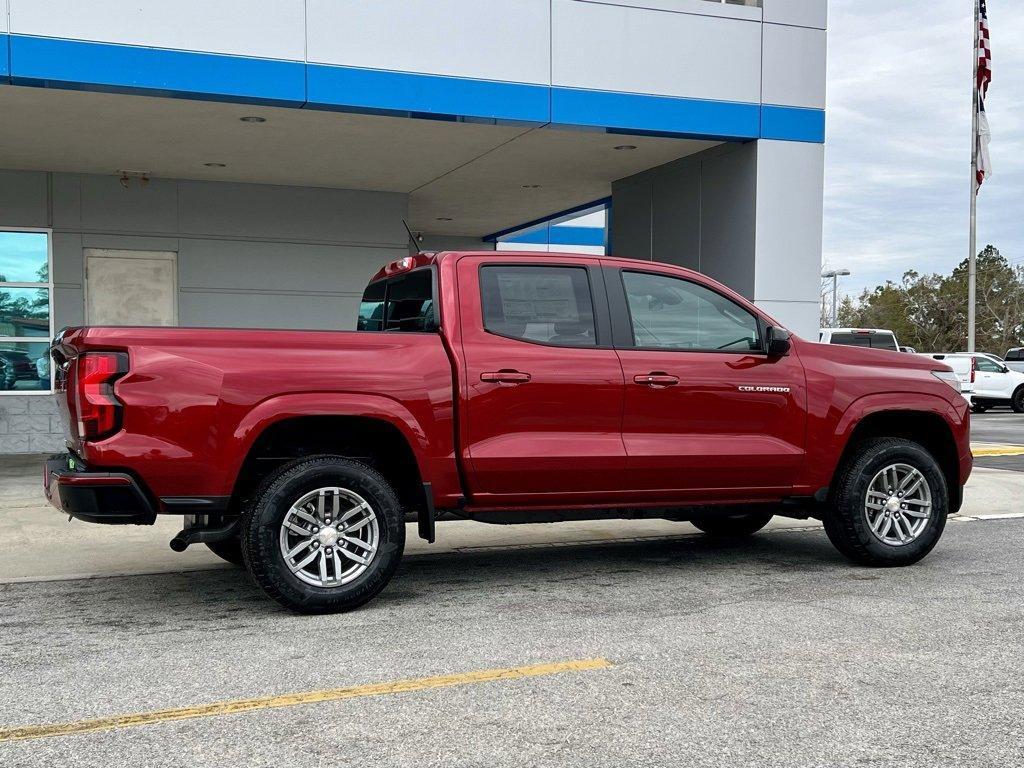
x=400, y=303
x=25, y=311
x=546, y=304
x=984, y=364
x=672, y=313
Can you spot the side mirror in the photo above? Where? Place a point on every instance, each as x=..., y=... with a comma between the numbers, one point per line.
x=776, y=341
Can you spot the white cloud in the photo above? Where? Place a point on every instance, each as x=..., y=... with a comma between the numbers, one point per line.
x=898, y=144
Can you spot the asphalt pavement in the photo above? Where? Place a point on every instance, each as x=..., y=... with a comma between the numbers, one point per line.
x=554, y=651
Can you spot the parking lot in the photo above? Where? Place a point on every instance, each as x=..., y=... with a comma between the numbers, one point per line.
x=592, y=644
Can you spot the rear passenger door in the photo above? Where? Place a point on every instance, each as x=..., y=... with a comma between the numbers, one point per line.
x=543, y=388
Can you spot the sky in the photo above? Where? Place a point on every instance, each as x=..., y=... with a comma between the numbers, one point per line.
x=898, y=137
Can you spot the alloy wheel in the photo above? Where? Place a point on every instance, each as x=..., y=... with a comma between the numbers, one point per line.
x=898, y=505
x=329, y=537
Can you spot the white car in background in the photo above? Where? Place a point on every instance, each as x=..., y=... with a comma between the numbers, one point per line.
x=991, y=382
x=875, y=338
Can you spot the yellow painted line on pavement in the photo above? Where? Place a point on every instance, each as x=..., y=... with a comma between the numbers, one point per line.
x=296, y=699
x=998, y=450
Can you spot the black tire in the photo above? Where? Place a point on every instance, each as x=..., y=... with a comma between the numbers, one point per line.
x=1017, y=401
x=229, y=549
x=845, y=520
x=261, y=525
x=732, y=526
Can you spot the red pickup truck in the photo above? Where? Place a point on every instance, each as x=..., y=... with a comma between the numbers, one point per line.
x=504, y=388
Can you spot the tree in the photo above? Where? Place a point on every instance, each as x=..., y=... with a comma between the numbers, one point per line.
x=929, y=312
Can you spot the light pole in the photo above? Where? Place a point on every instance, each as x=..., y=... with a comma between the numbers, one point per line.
x=835, y=274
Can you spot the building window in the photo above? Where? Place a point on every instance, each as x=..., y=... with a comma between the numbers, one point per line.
x=26, y=311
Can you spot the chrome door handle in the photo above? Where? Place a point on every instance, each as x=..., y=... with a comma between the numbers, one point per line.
x=505, y=377
x=656, y=379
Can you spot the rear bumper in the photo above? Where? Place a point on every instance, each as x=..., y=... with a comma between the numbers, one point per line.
x=112, y=498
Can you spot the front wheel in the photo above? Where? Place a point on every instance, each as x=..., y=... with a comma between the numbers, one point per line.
x=325, y=535
x=1017, y=401
x=732, y=526
x=889, y=504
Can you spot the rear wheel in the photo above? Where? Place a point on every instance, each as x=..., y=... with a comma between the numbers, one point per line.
x=732, y=526
x=1017, y=401
x=325, y=535
x=889, y=504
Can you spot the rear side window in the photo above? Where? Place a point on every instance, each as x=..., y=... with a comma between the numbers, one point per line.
x=401, y=303
x=550, y=305
x=873, y=340
x=1015, y=354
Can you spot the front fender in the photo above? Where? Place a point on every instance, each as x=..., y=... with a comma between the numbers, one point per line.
x=834, y=435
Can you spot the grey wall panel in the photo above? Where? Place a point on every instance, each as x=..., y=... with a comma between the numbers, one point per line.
x=728, y=211
x=454, y=243
x=68, y=307
x=794, y=66
x=23, y=199
x=676, y=217
x=66, y=199
x=800, y=13
x=801, y=317
x=617, y=48
x=68, y=267
x=233, y=265
x=495, y=40
x=699, y=7
x=243, y=310
x=630, y=223
x=108, y=206
x=294, y=213
x=270, y=29
x=790, y=188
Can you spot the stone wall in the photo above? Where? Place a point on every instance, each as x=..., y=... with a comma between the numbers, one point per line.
x=30, y=424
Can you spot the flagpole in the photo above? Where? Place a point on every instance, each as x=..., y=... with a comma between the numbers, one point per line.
x=972, y=266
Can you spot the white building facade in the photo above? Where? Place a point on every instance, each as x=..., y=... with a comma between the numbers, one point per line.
x=251, y=163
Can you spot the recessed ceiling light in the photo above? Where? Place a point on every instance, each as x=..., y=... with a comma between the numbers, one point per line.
x=626, y=147
x=444, y=218
x=253, y=119
x=215, y=165
x=531, y=186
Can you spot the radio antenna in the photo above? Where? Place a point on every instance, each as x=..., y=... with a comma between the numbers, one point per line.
x=412, y=237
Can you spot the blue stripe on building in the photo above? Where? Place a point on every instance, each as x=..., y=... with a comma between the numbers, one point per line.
x=560, y=235
x=655, y=114
x=55, y=62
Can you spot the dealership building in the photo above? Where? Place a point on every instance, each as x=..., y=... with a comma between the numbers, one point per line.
x=251, y=164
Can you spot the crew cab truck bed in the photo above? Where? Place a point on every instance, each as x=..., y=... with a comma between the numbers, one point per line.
x=505, y=388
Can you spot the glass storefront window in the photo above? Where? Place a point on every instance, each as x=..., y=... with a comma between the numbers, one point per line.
x=26, y=290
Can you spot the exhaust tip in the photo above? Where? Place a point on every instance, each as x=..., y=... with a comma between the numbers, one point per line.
x=179, y=544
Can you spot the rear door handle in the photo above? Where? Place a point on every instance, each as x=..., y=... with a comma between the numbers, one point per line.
x=505, y=377
x=656, y=379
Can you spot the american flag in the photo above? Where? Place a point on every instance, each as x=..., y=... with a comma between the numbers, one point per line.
x=984, y=48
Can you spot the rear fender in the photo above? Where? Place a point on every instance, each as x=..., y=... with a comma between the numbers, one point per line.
x=277, y=409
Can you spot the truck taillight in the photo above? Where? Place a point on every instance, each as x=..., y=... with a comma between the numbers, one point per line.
x=974, y=368
x=99, y=410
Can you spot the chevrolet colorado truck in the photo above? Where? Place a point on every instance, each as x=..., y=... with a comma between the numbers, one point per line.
x=505, y=388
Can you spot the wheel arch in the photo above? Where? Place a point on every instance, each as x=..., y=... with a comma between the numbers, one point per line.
x=385, y=437
x=927, y=428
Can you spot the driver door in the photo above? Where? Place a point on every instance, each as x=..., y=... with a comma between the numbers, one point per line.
x=707, y=414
